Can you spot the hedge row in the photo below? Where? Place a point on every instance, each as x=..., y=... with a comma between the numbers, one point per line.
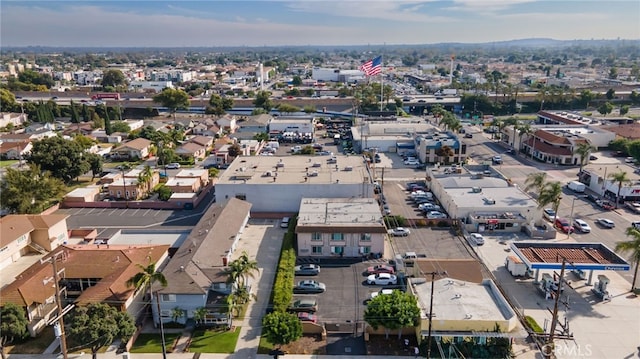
x=282, y=291
x=533, y=324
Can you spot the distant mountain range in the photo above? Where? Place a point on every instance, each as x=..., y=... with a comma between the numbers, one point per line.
x=519, y=43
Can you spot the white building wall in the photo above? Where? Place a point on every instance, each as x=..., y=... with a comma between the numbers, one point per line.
x=352, y=243
x=301, y=126
x=287, y=197
x=324, y=74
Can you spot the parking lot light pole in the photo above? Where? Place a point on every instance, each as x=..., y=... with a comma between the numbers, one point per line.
x=573, y=203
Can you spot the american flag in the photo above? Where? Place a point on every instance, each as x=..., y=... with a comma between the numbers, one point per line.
x=372, y=67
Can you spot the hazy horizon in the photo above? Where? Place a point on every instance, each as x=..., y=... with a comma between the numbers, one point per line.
x=164, y=24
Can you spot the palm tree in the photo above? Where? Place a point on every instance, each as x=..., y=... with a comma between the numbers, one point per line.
x=199, y=315
x=524, y=130
x=584, y=150
x=622, y=178
x=176, y=314
x=144, y=279
x=240, y=269
x=551, y=193
x=632, y=246
x=535, y=181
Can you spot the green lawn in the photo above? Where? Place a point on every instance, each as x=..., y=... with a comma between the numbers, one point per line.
x=151, y=343
x=7, y=163
x=264, y=347
x=214, y=341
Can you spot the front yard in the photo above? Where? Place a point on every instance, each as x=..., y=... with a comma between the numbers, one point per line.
x=152, y=343
x=214, y=340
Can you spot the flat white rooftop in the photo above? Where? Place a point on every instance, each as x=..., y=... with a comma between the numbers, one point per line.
x=295, y=169
x=459, y=300
x=339, y=211
x=503, y=197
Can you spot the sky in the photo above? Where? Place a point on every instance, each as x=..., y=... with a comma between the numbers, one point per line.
x=213, y=23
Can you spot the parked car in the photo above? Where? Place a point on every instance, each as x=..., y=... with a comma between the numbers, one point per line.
x=381, y=292
x=604, y=204
x=309, y=286
x=380, y=268
x=629, y=160
x=172, y=166
x=386, y=210
x=399, y=232
x=606, y=223
x=307, y=317
x=468, y=135
x=476, y=238
x=563, y=225
x=497, y=159
x=581, y=226
x=429, y=207
x=411, y=162
x=593, y=158
x=309, y=305
x=382, y=279
x=285, y=222
x=307, y=269
x=436, y=215
x=591, y=198
x=549, y=214
x=635, y=224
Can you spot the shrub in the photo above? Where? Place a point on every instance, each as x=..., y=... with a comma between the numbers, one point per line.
x=282, y=292
x=533, y=324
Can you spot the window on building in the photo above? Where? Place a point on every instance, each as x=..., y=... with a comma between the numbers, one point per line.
x=316, y=236
x=337, y=250
x=168, y=297
x=242, y=196
x=364, y=250
x=316, y=249
x=365, y=237
x=337, y=236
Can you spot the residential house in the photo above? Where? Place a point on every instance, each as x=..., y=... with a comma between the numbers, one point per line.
x=134, y=149
x=83, y=195
x=207, y=127
x=85, y=129
x=87, y=274
x=204, y=141
x=344, y=227
x=191, y=150
x=13, y=118
x=184, y=185
x=14, y=150
x=21, y=234
x=228, y=123
x=201, y=174
x=196, y=273
x=130, y=187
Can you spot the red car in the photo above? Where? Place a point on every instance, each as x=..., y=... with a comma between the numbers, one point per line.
x=380, y=268
x=307, y=317
x=564, y=225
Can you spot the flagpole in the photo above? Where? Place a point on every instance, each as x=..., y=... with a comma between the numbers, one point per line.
x=381, y=86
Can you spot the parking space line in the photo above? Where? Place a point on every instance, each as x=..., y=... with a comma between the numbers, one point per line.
x=146, y=212
x=90, y=211
x=135, y=212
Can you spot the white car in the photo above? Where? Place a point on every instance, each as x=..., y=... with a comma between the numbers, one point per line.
x=581, y=226
x=607, y=223
x=399, y=232
x=382, y=279
x=411, y=162
x=497, y=159
x=381, y=292
x=476, y=238
x=549, y=214
x=172, y=166
x=436, y=215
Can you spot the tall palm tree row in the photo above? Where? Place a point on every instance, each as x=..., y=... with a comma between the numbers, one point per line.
x=622, y=179
x=632, y=246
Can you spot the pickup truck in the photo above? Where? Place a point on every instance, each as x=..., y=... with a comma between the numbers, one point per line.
x=604, y=204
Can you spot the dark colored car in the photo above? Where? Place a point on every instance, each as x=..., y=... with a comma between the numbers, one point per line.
x=309, y=305
x=380, y=268
x=309, y=286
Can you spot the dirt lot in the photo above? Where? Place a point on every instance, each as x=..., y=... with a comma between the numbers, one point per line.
x=377, y=345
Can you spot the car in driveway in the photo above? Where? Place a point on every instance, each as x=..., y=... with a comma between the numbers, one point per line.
x=476, y=238
x=549, y=214
x=581, y=226
x=382, y=279
x=606, y=223
x=172, y=166
x=380, y=268
x=307, y=269
x=381, y=292
x=307, y=317
x=399, y=232
x=563, y=225
x=309, y=286
x=309, y=305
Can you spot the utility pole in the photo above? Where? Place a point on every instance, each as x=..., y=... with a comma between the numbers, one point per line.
x=59, y=320
x=554, y=316
x=433, y=278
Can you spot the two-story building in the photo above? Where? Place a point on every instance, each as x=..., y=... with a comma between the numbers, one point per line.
x=343, y=227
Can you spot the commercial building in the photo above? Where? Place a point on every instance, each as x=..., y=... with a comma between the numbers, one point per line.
x=279, y=183
x=343, y=227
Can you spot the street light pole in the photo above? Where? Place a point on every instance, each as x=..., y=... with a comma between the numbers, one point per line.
x=573, y=203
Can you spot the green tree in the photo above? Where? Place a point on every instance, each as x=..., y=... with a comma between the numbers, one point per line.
x=583, y=150
x=624, y=110
x=535, y=181
x=199, y=314
x=586, y=96
x=84, y=141
x=173, y=99
x=235, y=150
x=241, y=269
x=551, y=193
x=65, y=159
x=220, y=105
x=281, y=328
x=263, y=101
x=107, y=121
x=29, y=191
x=296, y=81
x=120, y=126
x=13, y=325
x=524, y=131
x=176, y=314
x=611, y=93
x=632, y=246
x=606, y=108
x=36, y=78
x=97, y=325
x=7, y=100
x=113, y=78
x=86, y=114
x=287, y=108
x=164, y=193
x=262, y=136
x=392, y=311
x=95, y=164
x=621, y=178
